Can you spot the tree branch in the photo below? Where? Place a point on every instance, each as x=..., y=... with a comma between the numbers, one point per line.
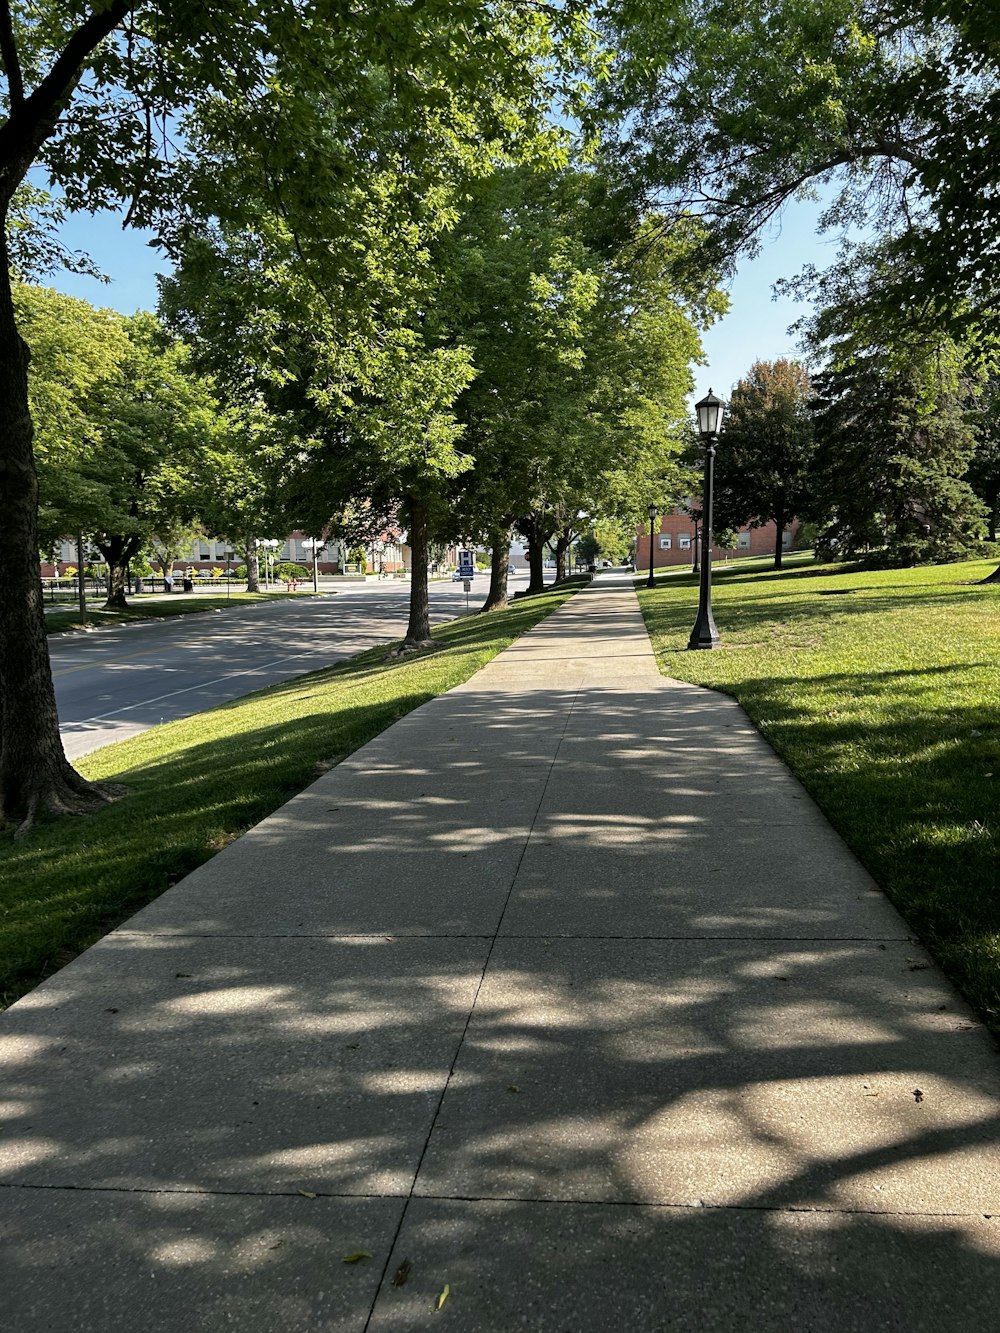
x=8, y=51
x=35, y=118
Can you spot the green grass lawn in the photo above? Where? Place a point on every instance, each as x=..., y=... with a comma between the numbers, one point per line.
x=881, y=690
x=140, y=608
x=197, y=783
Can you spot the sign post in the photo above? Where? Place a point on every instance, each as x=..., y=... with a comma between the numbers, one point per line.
x=467, y=570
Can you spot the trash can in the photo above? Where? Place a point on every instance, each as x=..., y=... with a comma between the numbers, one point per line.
x=188, y=585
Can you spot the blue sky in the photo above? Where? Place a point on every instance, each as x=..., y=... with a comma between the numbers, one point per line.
x=755, y=328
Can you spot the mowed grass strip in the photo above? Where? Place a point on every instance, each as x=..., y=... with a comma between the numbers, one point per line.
x=197, y=783
x=881, y=691
x=179, y=604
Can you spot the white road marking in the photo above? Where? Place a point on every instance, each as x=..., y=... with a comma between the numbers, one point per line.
x=202, y=685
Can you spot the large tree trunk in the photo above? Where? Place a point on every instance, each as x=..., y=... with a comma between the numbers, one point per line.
x=534, y=533
x=418, y=631
x=496, y=599
x=779, y=524
x=118, y=552
x=34, y=773
x=253, y=563
x=561, y=553
x=81, y=577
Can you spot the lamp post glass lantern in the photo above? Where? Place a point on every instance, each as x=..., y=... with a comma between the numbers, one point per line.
x=709, y=411
x=652, y=512
x=315, y=545
x=271, y=546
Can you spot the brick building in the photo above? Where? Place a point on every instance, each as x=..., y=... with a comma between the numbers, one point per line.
x=674, y=543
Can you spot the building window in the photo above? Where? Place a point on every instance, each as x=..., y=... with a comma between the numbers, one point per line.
x=744, y=542
x=684, y=541
x=665, y=543
x=786, y=540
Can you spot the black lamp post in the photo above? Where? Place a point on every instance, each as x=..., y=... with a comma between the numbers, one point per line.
x=704, y=634
x=695, y=566
x=651, y=511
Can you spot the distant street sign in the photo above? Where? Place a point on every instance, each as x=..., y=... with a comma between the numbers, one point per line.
x=467, y=564
x=467, y=585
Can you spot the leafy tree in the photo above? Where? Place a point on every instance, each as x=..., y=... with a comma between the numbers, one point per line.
x=121, y=427
x=732, y=109
x=153, y=428
x=582, y=338
x=893, y=447
x=95, y=94
x=764, y=458
x=77, y=353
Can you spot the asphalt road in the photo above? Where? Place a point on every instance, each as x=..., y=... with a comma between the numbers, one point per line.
x=112, y=684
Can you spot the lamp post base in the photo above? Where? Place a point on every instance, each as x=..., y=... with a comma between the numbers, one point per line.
x=704, y=634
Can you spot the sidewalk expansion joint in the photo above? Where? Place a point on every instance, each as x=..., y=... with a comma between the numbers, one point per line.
x=700, y=1206
x=472, y=1007
x=260, y=935
x=201, y=1191
x=550, y=935
x=662, y=1205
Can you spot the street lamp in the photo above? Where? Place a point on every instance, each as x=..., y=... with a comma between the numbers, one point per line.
x=695, y=566
x=270, y=545
x=314, y=544
x=651, y=511
x=709, y=410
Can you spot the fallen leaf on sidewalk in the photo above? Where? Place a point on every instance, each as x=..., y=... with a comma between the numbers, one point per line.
x=307, y=1194
x=513, y=1088
x=356, y=1257
x=445, y=1293
x=277, y=1245
x=918, y=1095
x=402, y=1273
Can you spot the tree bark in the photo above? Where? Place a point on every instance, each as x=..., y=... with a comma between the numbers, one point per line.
x=118, y=552
x=253, y=563
x=779, y=523
x=534, y=533
x=418, y=631
x=496, y=598
x=81, y=577
x=561, y=553
x=35, y=775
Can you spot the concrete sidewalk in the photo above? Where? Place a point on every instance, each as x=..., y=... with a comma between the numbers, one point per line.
x=560, y=993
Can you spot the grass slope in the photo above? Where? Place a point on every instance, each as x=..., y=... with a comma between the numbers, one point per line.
x=56, y=622
x=197, y=783
x=881, y=691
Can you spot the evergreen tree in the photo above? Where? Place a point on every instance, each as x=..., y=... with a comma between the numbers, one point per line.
x=763, y=459
x=894, y=444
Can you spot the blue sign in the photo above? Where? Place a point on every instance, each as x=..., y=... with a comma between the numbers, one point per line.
x=466, y=564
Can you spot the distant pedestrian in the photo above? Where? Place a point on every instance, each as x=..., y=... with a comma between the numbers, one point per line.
x=168, y=582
